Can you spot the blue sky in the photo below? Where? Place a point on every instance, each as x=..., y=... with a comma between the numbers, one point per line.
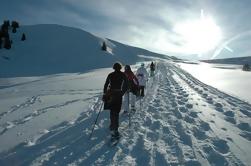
x=167, y=26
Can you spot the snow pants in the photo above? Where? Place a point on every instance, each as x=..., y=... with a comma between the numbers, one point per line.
x=142, y=91
x=129, y=99
x=114, y=111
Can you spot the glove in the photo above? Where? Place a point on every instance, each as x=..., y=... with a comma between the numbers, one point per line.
x=122, y=93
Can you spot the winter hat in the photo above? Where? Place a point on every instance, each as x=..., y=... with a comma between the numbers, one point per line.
x=142, y=64
x=128, y=68
x=117, y=66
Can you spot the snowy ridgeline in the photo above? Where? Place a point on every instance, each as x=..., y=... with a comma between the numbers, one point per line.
x=47, y=121
x=234, y=61
x=53, y=49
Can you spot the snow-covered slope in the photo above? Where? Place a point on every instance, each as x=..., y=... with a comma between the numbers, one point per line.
x=52, y=49
x=180, y=121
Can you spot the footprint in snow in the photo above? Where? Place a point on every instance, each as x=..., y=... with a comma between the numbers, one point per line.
x=189, y=106
x=177, y=114
x=229, y=113
x=204, y=95
x=193, y=114
x=181, y=102
x=244, y=127
x=174, y=104
x=230, y=139
x=205, y=89
x=155, y=125
x=230, y=119
x=220, y=145
x=200, y=91
x=205, y=126
x=246, y=112
x=214, y=157
x=183, y=109
x=209, y=98
x=200, y=135
x=152, y=136
x=184, y=99
x=186, y=95
x=219, y=109
x=218, y=105
x=179, y=97
x=246, y=135
x=231, y=103
x=189, y=119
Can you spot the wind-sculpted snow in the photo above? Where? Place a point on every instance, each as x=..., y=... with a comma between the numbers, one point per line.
x=180, y=121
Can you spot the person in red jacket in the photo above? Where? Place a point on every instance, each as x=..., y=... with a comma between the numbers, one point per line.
x=133, y=86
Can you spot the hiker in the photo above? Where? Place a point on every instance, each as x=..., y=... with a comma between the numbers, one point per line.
x=142, y=76
x=133, y=89
x=152, y=69
x=115, y=87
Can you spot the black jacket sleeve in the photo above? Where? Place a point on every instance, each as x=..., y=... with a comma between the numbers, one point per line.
x=107, y=82
x=125, y=85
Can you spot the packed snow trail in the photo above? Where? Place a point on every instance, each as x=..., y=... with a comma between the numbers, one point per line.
x=181, y=122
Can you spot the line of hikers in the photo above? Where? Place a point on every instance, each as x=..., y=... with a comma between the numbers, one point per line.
x=127, y=84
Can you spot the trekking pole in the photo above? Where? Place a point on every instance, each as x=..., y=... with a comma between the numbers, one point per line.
x=96, y=120
x=140, y=103
x=129, y=108
x=130, y=119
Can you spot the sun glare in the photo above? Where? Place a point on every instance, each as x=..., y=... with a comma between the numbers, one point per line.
x=200, y=35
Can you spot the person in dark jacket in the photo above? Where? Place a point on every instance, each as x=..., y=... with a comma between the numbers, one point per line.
x=152, y=69
x=115, y=87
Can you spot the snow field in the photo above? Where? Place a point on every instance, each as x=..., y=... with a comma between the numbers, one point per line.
x=181, y=121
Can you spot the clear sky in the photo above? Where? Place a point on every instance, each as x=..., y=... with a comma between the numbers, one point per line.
x=208, y=28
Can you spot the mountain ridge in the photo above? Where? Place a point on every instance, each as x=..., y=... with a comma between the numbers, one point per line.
x=235, y=60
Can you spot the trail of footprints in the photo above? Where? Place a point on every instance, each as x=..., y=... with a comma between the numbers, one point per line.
x=166, y=139
x=221, y=149
x=228, y=106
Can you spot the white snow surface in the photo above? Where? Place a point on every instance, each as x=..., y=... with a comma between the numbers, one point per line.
x=229, y=78
x=49, y=102
x=181, y=121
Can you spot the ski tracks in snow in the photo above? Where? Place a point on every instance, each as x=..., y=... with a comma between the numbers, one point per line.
x=181, y=122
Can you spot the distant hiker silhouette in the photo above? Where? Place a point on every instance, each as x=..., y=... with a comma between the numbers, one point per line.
x=133, y=90
x=152, y=69
x=114, y=88
x=142, y=76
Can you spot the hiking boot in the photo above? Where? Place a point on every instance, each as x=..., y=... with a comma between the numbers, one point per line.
x=115, y=134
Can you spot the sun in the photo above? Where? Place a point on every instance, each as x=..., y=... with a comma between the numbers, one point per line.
x=200, y=35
